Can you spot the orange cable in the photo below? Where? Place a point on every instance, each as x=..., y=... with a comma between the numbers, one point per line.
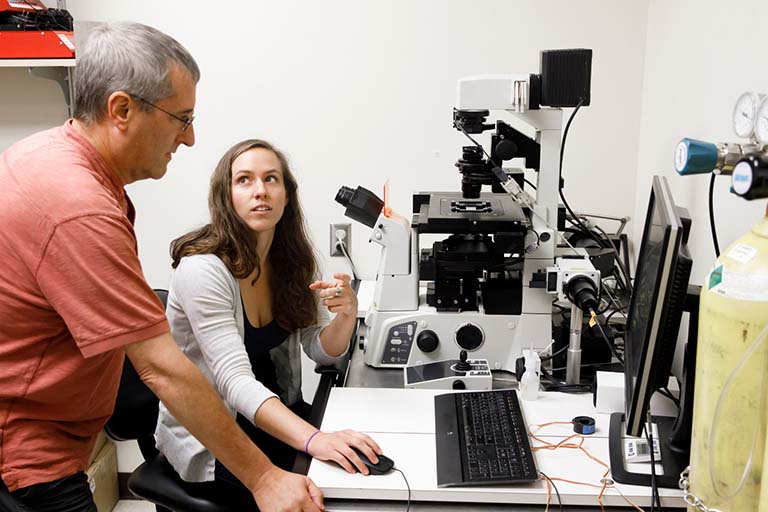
x=549, y=492
x=580, y=446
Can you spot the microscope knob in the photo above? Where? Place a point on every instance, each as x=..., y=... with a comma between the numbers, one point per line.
x=427, y=341
x=469, y=336
x=506, y=149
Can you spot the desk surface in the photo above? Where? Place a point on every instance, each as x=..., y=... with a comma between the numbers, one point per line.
x=402, y=422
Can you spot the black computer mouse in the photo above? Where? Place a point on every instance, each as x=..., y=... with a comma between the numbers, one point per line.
x=382, y=467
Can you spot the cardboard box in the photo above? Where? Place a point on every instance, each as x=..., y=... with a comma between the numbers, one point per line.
x=100, y=440
x=102, y=477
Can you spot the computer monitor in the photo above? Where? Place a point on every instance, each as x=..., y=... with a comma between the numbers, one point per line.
x=653, y=323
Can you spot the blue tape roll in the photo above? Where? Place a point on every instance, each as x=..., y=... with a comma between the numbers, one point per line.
x=584, y=425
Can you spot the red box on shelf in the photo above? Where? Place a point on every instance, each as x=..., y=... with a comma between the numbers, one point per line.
x=22, y=6
x=29, y=44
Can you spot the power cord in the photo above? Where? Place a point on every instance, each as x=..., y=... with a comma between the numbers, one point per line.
x=655, y=498
x=408, y=505
x=342, y=246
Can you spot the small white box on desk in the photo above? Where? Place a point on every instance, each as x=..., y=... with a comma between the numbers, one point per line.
x=610, y=395
x=609, y=392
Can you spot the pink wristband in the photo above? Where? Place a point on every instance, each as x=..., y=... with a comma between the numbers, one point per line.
x=306, y=445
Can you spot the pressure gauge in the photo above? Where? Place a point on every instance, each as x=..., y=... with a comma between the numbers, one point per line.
x=761, y=122
x=744, y=114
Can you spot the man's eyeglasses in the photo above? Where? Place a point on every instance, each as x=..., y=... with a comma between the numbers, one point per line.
x=186, y=121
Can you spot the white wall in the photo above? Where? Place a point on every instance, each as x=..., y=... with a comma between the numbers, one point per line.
x=701, y=54
x=27, y=104
x=357, y=92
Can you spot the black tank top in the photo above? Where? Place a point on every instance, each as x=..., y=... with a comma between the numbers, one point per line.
x=258, y=342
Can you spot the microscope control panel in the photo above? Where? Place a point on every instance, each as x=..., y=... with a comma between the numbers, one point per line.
x=397, y=346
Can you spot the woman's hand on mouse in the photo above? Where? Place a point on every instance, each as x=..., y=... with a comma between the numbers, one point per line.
x=337, y=295
x=337, y=447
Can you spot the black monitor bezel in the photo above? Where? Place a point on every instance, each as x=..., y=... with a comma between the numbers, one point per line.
x=640, y=383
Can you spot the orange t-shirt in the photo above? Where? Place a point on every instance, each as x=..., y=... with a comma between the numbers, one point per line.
x=72, y=294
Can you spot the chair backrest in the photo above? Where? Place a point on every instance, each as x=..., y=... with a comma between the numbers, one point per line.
x=136, y=407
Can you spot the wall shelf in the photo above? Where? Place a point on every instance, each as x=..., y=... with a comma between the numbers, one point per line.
x=58, y=70
x=37, y=63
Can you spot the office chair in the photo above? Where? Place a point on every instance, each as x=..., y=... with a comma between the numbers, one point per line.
x=155, y=480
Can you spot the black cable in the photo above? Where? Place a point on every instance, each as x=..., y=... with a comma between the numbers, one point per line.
x=461, y=128
x=655, y=499
x=562, y=309
x=712, y=214
x=602, y=310
x=562, y=143
x=668, y=394
x=619, y=263
x=538, y=237
x=408, y=505
x=560, y=186
x=610, y=315
x=555, y=354
x=585, y=365
x=557, y=385
x=559, y=501
x=605, y=337
x=529, y=183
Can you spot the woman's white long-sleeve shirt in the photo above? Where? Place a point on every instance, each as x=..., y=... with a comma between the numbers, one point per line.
x=206, y=317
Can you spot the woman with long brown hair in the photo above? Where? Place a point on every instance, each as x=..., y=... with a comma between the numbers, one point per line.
x=242, y=303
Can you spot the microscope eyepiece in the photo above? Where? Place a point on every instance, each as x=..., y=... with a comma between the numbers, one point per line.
x=362, y=205
x=344, y=196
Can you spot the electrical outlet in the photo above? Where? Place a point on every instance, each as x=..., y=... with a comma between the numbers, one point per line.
x=347, y=228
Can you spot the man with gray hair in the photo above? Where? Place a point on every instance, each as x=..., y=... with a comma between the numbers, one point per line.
x=73, y=299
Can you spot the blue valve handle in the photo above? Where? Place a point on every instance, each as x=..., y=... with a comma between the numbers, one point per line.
x=695, y=157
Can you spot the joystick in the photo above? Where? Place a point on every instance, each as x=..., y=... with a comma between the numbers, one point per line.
x=463, y=365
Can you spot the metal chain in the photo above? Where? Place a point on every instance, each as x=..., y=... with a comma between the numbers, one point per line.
x=690, y=498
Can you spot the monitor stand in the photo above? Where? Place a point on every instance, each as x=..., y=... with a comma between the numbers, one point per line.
x=674, y=434
x=672, y=460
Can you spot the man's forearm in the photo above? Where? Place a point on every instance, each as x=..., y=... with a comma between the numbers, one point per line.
x=191, y=399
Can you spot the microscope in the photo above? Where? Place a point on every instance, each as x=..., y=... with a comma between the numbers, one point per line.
x=488, y=287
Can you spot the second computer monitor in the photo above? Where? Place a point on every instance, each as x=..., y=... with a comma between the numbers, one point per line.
x=658, y=296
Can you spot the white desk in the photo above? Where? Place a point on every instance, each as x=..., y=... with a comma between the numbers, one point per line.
x=402, y=422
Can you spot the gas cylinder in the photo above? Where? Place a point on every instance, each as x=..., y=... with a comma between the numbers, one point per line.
x=730, y=407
